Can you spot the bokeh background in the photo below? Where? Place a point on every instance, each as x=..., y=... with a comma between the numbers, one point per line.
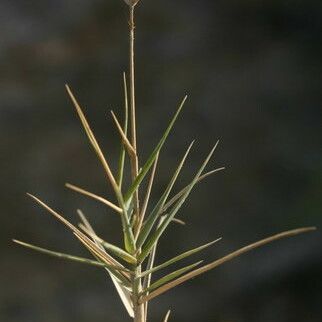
x=253, y=71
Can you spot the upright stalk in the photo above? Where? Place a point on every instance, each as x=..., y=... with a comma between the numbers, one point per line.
x=139, y=312
x=134, y=158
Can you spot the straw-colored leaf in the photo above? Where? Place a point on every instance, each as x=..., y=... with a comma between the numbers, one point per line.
x=166, y=279
x=93, y=140
x=125, y=140
x=178, y=258
x=128, y=234
x=223, y=260
x=123, y=292
x=121, y=276
x=152, y=218
x=93, y=196
x=168, y=218
x=153, y=155
x=106, y=258
x=178, y=221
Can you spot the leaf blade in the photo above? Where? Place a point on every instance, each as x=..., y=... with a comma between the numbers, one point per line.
x=224, y=259
x=169, y=277
x=168, y=218
x=152, y=218
x=153, y=155
x=94, y=196
x=64, y=256
x=123, y=292
x=181, y=192
x=179, y=257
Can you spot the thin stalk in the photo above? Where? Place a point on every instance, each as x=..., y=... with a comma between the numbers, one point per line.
x=139, y=312
x=134, y=158
x=147, y=278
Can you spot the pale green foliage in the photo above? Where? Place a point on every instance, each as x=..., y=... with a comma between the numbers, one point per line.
x=131, y=267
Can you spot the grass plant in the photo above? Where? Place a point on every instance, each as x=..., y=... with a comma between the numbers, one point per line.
x=131, y=266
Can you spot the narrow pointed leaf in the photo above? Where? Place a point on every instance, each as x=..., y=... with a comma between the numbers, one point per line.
x=147, y=196
x=93, y=196
x=180, y=193
x=171, y=276
x=178, y=221
x=123, y=292
x=96, y=251
x=153, y=155
x=128, y=234
x=168, y=218
x=178, y=258
x=64, y=256
x=223, y=260
x=147, y=227
x=106, y=258
x=93, y=140
x=125, y=140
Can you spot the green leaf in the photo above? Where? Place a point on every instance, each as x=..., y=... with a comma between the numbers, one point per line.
x=153, y=155
x=119, y=252
x=181, y=192
x=67, y=256
x=168, y=278
x=178, y=258
x=129, y=241
x=149, y=223
x=223, y=260
x=168, y=217
x=92, y=247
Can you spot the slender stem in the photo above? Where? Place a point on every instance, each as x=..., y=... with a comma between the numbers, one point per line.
x=139, y=308
x=134, y=157
x=139, y=312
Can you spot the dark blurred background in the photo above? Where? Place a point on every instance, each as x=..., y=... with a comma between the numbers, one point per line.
x=253, y=71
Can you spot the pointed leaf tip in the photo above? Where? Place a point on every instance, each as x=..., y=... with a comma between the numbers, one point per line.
x=166, y=318
x=148, y=164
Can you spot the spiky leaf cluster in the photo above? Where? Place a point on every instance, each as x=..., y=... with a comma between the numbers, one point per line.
x=131, y=266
